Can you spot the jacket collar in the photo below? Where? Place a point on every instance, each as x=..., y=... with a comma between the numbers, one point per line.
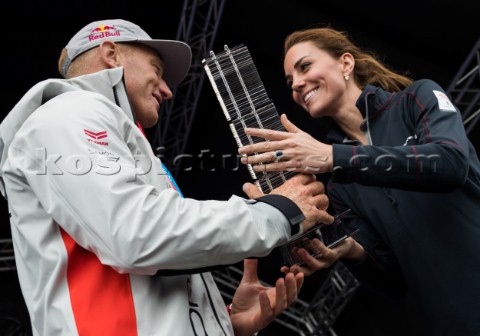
x=373, y=99
x=109, y=83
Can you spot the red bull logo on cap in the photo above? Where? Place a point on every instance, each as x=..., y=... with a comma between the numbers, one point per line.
x=103, y=32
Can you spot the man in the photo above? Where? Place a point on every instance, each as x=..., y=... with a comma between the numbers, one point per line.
x=104, y=243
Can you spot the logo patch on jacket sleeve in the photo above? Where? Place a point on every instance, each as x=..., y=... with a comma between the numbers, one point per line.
x=96, y=137
x=443, y=102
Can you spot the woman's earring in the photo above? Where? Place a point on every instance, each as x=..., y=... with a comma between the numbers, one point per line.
x=347, y=77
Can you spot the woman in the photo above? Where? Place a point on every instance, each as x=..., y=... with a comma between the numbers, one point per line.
x=399, y=158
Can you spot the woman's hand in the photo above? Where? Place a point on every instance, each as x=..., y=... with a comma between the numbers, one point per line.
x=254, y=306
x=293, y=150
x=324, y=257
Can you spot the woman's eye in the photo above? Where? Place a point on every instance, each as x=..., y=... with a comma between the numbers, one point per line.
x=304, y=66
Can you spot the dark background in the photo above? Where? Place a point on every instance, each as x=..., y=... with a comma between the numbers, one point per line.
x=424, y=38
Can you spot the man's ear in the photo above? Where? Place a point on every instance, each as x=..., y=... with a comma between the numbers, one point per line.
x=109, y=54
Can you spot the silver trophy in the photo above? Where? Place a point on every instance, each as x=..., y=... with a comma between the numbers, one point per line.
x=245, y=103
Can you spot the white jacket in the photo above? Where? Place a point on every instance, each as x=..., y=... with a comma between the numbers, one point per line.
x=94, y=217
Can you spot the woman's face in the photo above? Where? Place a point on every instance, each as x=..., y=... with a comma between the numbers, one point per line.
x=316, y=79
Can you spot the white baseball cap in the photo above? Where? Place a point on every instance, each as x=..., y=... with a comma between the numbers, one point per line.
x=176, y=55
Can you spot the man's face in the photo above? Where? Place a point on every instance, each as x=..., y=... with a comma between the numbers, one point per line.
x=146, y=88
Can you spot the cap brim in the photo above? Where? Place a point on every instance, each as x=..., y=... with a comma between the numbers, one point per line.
x=176, y=57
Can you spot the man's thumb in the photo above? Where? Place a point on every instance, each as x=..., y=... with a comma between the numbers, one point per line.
x=250, y=270
x=251, y=190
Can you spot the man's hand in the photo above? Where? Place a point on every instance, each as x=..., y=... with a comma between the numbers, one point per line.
x=254, y=306
x=306, y=192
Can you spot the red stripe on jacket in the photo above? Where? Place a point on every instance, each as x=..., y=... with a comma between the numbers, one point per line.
x=101, y=298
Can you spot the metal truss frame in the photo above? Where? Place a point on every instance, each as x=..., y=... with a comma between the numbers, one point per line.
x=198, y=27
x=464, y=90
x=7, y=258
